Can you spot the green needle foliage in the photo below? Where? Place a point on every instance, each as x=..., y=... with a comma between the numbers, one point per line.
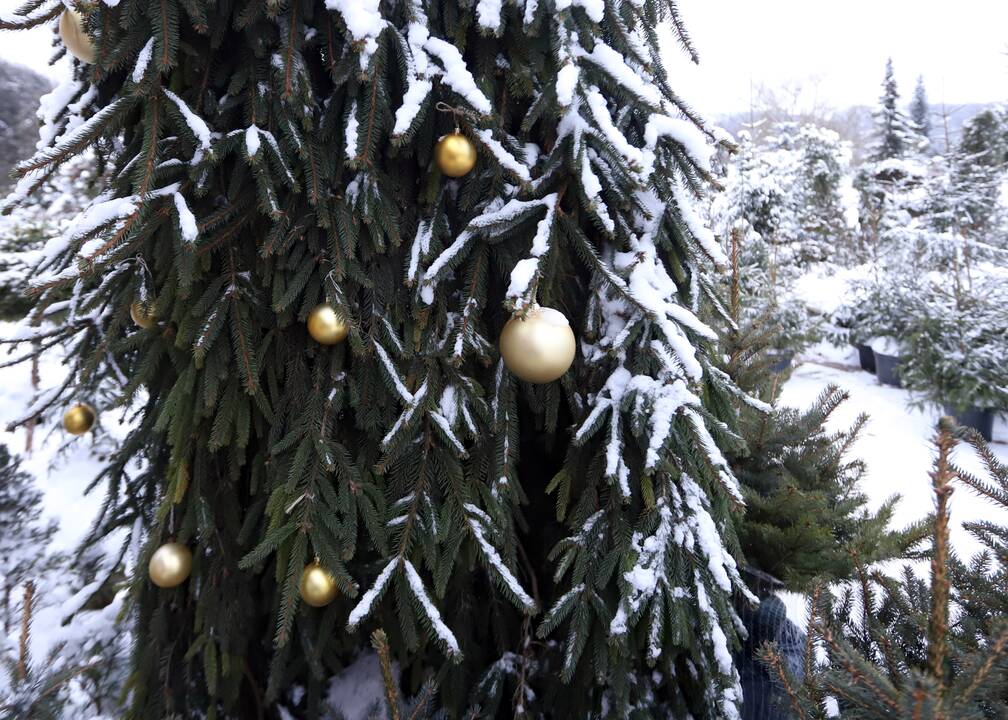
x=904, y=647
x=258, y=158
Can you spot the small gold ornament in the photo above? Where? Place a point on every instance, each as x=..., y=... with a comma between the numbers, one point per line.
x=71, y=29
x=318, y=586
x=540, y=347
x=143, y=315
x=170, y=565
x=79, y=419
x=325, y=326
x=455, y=154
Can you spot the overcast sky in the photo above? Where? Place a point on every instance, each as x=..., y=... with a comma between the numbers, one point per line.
x=836, y=50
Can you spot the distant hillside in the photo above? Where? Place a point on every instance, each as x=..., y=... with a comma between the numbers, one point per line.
x=854, y=124
x=20, y=90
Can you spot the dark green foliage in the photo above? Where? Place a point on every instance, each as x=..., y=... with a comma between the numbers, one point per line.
x=903, y=647
x=920, y=111
x=806, y=518
x=407, y=459
x=894, y=136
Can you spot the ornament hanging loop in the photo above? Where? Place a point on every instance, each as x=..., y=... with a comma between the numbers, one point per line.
x=458, y=112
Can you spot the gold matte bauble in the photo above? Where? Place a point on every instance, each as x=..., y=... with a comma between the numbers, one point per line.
x=538, y=347
x=143, y=315
x=79, y=419
x=325, y=326
x=170, y=565
x=455, y=154
x=71, y=30
x=318, y=586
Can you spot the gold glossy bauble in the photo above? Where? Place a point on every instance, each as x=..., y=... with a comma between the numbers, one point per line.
x=318, y=586
x=170, y=565
x=455, y=154
x=143, y=315
x=539, y=347
x=325, y=326
x=79, y=419
x=71, y=29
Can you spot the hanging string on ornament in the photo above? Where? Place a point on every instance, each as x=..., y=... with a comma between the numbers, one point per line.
x=455, y=154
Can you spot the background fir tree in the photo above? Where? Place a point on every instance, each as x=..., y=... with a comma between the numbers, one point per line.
x=920, y=111
x=894, y=135
x=258, y=159
x=904, y=647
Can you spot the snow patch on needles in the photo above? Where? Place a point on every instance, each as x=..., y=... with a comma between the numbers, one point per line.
x=187, y=221
x=143, y=60
x=196, y=124
x=252, y=142
x=363, y=21
x=437, y=624
x=615, y=66
x=488, y=14
x=505, y=158
x=476, y=519
x=595, y=9
x=457, y=75
x=368, y=599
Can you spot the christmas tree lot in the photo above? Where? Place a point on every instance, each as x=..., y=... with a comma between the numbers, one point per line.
x=317, y=222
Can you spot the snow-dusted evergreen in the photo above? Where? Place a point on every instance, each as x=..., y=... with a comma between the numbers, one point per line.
x=568, y=546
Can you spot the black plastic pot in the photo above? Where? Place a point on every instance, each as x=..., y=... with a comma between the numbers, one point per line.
x=866, y=356
x=781, y=361
x=980, y=419
x=887, y=369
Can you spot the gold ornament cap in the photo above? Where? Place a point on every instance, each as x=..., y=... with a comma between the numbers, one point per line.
x=79, y=419
x=455, y=154
x=143, y=315
x=318, y=586
x=325, y=326
x=170, y=565
x=539, y=347
x=77, y=41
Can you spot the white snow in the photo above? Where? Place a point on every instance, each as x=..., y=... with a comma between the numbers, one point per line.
x=437, y=624
x=457, y=75
x=196, y=124
x=359, y=688
x=187, y=221
x=368, y=599
x=364, y=22
x=252, y=142
x=143, y=60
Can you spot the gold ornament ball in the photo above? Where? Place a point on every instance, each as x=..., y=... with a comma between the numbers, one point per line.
x=71, y=29
x=143, y=315
x=455, y=154
x=539, y=347
x=325, y=326
x=318, y=586
x=79, y=419
x=170, y=565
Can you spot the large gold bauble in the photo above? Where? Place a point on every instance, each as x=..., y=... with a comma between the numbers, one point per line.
x=71, y=29
x=170, y=565
x=143, y=315
x=79, y=419
x=455, y=154
x=318, y=586
x=539, y=347
x=325, y=326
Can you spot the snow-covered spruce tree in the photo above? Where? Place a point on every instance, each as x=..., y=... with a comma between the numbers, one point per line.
x=894, y=133
x=920, y=111
x=823, y=161
x=550, y=550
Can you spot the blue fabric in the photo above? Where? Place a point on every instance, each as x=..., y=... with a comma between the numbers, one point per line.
x=763, y=697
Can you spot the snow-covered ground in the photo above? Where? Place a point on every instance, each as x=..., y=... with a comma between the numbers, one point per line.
x=896, y=444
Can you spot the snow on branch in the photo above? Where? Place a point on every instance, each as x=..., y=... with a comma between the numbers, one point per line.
x=505, y=158
x=613, y=64
x=443, y=632
x=187, y=221
x=374, y=593
x=476, y=520
x=364, y=22
x=457, y=75
x=143, y=60
x=525, y=271
x=196, y=124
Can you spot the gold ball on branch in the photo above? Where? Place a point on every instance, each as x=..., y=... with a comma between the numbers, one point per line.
x=538, y=347
x=79, y=419
x=170, y=565
x=318, y=586
x=71, y=30
x=455, y=154
x=143, y=315
x=325, y=326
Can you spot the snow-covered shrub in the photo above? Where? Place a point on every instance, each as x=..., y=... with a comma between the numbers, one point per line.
x=957, y=348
